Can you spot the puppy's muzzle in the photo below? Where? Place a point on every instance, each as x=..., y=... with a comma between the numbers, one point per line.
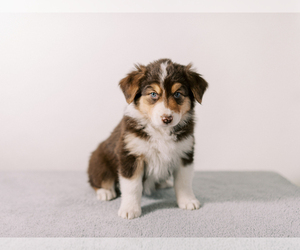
x=167, y=119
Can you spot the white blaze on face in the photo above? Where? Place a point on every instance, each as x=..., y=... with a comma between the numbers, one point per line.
x=161, y=110
x=163, y=73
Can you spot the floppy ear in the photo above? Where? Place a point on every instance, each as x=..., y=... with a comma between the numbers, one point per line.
x=132, y=82
x=197, y=84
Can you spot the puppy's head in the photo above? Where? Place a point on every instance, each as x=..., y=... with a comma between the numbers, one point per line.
x=163, y=91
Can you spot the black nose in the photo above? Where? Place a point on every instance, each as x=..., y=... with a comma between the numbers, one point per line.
x=167, y=119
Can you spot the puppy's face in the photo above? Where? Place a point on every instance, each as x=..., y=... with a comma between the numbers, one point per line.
x=164, y=108
x=163, y=91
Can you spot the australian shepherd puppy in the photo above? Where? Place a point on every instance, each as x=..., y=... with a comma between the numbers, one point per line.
x=154, y=141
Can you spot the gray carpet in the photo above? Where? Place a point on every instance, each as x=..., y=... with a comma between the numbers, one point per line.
x=234, y=204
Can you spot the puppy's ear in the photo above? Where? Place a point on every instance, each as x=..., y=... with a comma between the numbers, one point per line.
x=197, y=84
x=130, y=85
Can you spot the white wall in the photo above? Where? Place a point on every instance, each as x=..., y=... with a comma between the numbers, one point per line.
x=59, y=96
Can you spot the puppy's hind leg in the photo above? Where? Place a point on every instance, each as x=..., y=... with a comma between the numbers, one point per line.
x=149, y=186
x=102, y=173
x=107, y=191
x=168, y=183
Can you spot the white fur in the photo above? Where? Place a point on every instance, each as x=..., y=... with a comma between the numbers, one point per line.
x=150, y=184
x=131, y=190
x=161, y=151
x=106, y=195
x=163, y=74
x=183, y=177
x=160, y=110
x=165, y=183
x=131, y=111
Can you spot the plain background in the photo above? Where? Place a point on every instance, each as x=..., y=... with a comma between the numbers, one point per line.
x=275, y=6
x=59, y=85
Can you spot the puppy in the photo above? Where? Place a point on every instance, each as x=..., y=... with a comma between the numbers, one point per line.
x=154, y=141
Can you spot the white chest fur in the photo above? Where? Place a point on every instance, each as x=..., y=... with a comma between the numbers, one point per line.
x=161, y=152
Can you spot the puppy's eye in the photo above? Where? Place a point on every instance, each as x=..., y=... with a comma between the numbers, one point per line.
x=153, y=95
x=177, y=95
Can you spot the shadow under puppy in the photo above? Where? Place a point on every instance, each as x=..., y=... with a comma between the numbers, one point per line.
x=154, y=140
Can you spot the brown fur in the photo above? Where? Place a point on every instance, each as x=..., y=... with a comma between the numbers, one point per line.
x=189, y=159
x=183, y=132
x=111, y=157
x=130, y=84
x=172, y=104
x=103, y=159
x=175, y=87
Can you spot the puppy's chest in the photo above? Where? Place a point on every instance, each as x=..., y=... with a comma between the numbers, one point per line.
x=161, y=158
x=161, y=151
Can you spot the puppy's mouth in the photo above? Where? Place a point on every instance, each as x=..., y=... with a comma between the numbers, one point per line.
x=166, y=125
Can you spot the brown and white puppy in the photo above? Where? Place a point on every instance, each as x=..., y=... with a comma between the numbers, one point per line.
x=154, y=140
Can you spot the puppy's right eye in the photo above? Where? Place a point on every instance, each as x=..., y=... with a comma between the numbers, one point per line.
x=177, y=95
x=153, y=95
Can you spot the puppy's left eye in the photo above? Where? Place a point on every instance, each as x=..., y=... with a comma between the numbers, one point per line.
x=177, y=95
x=153, y=95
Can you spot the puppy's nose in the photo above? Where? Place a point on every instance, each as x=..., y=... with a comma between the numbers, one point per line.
x=167, y=119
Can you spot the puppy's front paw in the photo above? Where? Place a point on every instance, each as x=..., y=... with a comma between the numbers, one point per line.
x=189, y=204
x=105, y=194
x=129, y=212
